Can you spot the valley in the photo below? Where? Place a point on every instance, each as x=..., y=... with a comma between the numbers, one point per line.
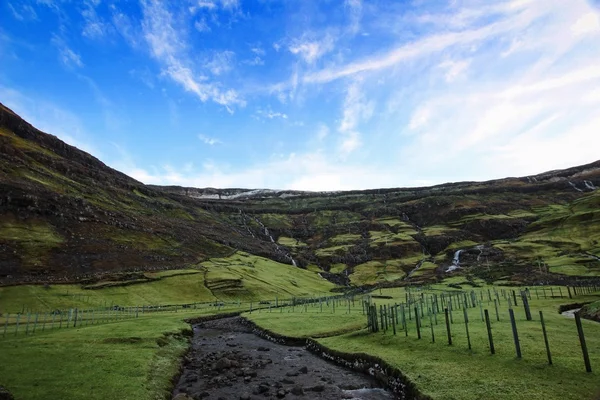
x=102, y=271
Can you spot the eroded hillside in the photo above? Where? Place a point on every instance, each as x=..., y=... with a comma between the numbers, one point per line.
x=64, y=214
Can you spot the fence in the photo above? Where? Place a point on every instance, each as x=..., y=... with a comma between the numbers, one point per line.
x=422, y=310
x=30, y=322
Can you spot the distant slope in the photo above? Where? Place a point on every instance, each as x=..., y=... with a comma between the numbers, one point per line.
x=64, y=214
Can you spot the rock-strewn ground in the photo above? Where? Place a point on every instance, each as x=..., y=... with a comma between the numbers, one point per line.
x=228, y=362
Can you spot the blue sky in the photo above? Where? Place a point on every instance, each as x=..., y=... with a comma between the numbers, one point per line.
x=312, y=95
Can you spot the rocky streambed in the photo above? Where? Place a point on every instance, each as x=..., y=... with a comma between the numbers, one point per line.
x=227, y=361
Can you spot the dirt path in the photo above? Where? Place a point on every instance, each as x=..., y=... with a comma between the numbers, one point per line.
x=228, y=362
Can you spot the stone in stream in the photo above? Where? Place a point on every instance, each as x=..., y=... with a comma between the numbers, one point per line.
x=297, y=390
x=223, y=363
x=317, y=388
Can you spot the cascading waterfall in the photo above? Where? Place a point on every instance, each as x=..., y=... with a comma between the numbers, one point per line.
x=590, y=185
x=455, y=261
x=575, y=187
x=268, y=234
x=480, y=248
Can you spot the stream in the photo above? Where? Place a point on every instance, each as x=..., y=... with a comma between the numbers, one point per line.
x=227, y=361
x=570, y=313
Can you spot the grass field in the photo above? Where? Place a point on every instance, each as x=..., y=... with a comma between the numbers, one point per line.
x=134, y=358
x=241, y=277
x=130, y=359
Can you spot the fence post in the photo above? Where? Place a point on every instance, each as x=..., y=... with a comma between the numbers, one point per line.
x=417, y=321
x=467, y=326
x=545, y=338
x=489, y=331
x=27, y=326
x=569, y=290
x=448, y=327
x=35, y=322
x=17, y=325
x=432, y=333
x=393, y=322
x=526, y=305
x=515, y=333
x=586, y=357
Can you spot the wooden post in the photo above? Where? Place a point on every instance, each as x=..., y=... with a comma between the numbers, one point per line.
x=27, y=326
x=404, y=324
x=515, y=333
x=35, y=322
x=489, y=331
x=526, y=306
x=496, y=307
x=417, y=322
x=17, y=324
x=586, y=357
x=385, y=317
x=393, y=322
x=546, y=338
x=569, y=290
x=515, y=298
x=448, y=327
x=432, y=333
x=467, y=326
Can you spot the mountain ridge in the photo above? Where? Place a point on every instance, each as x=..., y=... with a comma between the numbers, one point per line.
x=66, y=215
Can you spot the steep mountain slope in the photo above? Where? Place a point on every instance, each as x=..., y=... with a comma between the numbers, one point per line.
x=63, y=213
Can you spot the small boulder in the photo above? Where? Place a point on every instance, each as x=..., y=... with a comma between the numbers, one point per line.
x=297, y=390
x=223, y=363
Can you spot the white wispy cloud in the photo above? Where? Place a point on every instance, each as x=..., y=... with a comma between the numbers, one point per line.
x=354, y=9
x=22, y=12
x=201, y=25
x=209, y=140
x=94, y=26
x=221, y=62
x=269, y=113
x=66, y=55
x=169, y=46
x=356, y=110
x=310, y=49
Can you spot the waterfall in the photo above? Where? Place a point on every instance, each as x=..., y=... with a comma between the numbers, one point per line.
x=575, y=187
x=480, y=248
x=455, y=262
x=590, y=185
x=456, y=259
x=294, y=262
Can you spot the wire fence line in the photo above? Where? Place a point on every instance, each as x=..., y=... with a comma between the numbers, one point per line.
x=424, y=310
